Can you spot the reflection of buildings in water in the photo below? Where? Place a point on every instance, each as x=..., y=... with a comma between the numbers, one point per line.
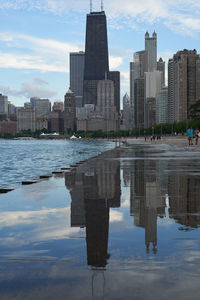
x=98, y=284
x=162, y=176
x=154, y=204
x=126, y=175
x=146, y=199
x=184, y=200
x=94, y=188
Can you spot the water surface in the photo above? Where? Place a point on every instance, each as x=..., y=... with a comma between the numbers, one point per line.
x=123, y=225
x=23, y=160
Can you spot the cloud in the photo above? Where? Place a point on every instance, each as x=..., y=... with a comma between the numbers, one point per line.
x=37, y=87
x=115, y=62
x=45, y=55
x=176, y=15
x=125, y=77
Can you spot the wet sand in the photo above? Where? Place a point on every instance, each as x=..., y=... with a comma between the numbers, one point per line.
x=179, y=141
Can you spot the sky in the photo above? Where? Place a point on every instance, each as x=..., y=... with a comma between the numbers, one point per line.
x=36, y=37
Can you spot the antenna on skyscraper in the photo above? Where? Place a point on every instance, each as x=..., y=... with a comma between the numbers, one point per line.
x=101, y=5
x=90, y=6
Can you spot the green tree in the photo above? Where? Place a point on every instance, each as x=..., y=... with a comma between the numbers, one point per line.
x=195, y=110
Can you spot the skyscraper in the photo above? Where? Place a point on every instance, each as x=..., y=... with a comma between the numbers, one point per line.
x=96, y=55
x=162, y=106
x=139, y=102
x=184, y=84
x=115, y=77
x=42, y=107
x=151, y=48
x=3, y=106
x=69, y=112
x=77, y=62
x=161, y=68
x=137, y=70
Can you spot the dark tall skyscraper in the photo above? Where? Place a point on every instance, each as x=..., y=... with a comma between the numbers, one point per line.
x=115, y=77
x=77, y=60
x=96, y=55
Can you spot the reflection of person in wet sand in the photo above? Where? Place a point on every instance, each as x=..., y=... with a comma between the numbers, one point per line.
x=196, y=136
x=190, y=135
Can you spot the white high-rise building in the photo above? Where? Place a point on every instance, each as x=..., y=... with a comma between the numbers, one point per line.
x=153, y=83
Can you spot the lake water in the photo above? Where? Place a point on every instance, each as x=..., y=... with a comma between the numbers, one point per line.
x=123, y=225
x=23, y=160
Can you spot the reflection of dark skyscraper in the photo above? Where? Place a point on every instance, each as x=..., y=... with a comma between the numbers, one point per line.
x=94, y=188
x=96, y=55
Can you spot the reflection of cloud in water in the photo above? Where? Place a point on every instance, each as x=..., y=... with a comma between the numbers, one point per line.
x=125, y=197
x=39, y=191
x=163, y=222
x=116, y=216
x=43, y=225
x=143, y=280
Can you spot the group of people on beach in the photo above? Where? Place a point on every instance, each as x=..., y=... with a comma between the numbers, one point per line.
x=152, y=137
x=193, y=134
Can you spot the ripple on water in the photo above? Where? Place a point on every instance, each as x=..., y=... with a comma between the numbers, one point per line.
x=21, y=160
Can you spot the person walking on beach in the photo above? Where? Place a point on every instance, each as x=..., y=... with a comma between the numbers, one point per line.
x=196, y=136
x=190, y=135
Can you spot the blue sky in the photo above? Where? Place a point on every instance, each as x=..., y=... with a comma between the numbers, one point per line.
x=36, y=37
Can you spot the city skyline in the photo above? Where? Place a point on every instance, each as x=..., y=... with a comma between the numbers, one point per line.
x=36, y=39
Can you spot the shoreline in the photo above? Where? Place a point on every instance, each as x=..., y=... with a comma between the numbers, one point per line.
x=4, y=189
x=178, y=141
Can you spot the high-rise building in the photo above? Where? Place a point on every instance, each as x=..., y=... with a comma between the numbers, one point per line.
x=58, y=106
x=42, y=106
x=96, y=55
x=54, y=120
x=69, y=111
x=149, y=112
x=153, y=83
x=161, y=106
x=126, y=112
x=141, y=57
x=137, y=69
x=115, y=77
x=184, y=84
x=161, y=68
x=26, y=119
x=151, y=48
x=77, y=62
x=139, y=102
x=3, y=105
x=11, y=108
x=28, y=105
